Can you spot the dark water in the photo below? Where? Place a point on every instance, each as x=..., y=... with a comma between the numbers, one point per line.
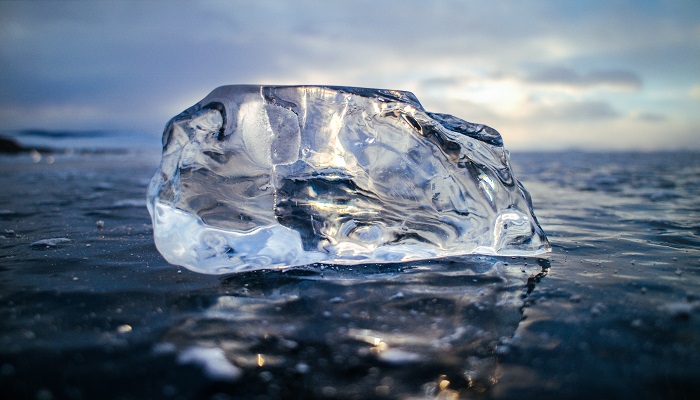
x=611, y=313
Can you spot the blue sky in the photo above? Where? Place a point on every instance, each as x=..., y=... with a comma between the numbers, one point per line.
x=546, y=74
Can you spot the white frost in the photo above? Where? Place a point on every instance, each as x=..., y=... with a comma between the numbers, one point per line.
x=53, y=242
x=213, y=361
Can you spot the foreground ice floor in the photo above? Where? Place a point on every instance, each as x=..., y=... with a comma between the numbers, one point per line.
x=259, y=177
x=98, y=313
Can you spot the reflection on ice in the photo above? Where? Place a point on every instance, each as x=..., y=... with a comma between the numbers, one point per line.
x=412, y=329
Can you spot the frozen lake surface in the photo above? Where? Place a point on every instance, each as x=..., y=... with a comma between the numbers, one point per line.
x=89, y=309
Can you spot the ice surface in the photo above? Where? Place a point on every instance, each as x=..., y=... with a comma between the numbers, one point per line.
x=256, y=177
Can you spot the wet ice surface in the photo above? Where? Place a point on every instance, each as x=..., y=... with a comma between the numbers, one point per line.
x=255, y=177
x=612, y=312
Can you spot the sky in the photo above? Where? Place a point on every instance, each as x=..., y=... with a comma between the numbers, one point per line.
x=548, y=75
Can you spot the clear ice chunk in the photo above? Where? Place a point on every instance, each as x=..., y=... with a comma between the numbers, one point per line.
x=256, y=177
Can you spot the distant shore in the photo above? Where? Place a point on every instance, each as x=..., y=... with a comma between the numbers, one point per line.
x=11, y=146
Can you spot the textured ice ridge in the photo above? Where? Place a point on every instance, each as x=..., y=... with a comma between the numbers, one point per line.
x=257, y=177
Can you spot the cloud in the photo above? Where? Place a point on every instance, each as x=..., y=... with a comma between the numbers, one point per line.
x=647, y=116
x=612, y=79
x=576, y=111
x=508, y=96
x=694, y=92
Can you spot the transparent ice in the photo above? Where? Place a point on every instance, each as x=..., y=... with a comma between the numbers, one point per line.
x=255, y=177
